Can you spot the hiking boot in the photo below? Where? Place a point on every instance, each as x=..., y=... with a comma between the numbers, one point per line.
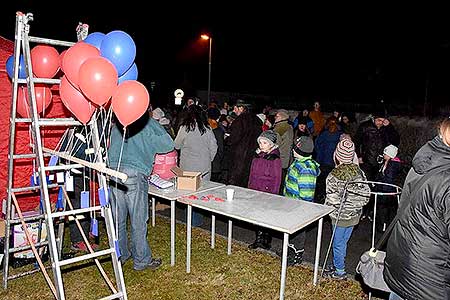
x=154, y=264
x=81, y=247
x=266, y=241
x=294, y=256
x=258, y=243
x=335, y=275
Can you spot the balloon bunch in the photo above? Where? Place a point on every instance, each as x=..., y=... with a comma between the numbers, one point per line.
x=45, y=64
x=95, y=70
x=101, y=68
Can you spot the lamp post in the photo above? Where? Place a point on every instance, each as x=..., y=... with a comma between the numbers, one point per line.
x=207, y=37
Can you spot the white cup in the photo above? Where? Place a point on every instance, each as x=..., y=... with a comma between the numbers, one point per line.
x=230, y=194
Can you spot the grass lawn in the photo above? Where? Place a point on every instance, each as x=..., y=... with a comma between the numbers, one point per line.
x=245, y=274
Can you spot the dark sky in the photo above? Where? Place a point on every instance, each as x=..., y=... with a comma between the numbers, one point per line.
x=353, y=54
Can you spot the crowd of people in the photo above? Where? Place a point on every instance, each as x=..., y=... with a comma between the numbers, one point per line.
x=311, y=157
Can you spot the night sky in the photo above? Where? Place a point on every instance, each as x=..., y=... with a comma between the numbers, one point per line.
x=333, y=54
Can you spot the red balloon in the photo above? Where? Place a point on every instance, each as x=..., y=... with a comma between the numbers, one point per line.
x=43, y=96
x=130, y=101
x=75, y=101
x=61, y=56
x=45, y=61
x=75, y=57
x=98, y=79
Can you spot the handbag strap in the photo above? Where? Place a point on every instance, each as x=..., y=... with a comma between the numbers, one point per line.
x=398, y=215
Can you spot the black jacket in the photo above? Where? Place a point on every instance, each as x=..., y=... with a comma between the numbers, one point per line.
x=417, y=264
x=371, y=141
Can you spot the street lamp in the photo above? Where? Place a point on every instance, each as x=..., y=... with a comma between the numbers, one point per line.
x=207, y=37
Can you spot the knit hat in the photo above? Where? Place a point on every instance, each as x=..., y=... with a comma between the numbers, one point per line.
x=302, y=120
x=345, y=151
x=262, y=117
x=269, y=135
x=391, y=151
x=283, y=114
x=304, y=146
x=157, y=113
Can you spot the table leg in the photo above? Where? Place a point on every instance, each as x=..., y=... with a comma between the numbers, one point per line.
x=284, y=265
x=188, y=239
x=213, y=231
x=319, y=240
x=230, y=234
x=153, y=211
x=172, y=233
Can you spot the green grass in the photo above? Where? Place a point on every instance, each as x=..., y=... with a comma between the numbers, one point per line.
x=245, y=274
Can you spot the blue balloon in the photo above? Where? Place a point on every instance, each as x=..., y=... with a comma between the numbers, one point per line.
x=10, y=67
x=95, y=39
x=131, y=74
x=119, y=48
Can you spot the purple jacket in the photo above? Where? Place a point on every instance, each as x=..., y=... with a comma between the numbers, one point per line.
x=265, y=172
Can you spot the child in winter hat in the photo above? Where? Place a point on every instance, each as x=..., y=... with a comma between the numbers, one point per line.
x=265, y=176
x=300, y=184
x=304, y=146
x=345, y=152
x=267, y=140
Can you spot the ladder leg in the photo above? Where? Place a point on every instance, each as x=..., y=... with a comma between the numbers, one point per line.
x=12, y=138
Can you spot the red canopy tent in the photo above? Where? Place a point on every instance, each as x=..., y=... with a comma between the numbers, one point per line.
x=51, y=136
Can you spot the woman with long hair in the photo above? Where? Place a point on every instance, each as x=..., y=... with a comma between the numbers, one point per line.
x=197, y=145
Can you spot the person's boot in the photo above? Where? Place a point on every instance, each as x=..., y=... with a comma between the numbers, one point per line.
x=266, y=241
x=258, y=241
x=295, y=256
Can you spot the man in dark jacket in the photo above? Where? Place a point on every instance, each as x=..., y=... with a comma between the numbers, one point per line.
x=244, y=132
x=417, y=264
x=370, y=140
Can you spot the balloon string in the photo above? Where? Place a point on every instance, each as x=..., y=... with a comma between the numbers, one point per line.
x=118, y=168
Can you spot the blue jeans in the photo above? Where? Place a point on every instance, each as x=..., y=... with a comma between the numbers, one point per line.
x=340, y=240
x=394, y=296
x=131, y=198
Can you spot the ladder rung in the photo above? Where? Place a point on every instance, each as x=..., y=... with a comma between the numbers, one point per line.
x=113, y=296
x=85, y=257
x=51, y=122
x=41, y=80
x=75, y=211
x=26, y=219
x=63, y=167
x=31, y=188
x=50, y=41
x=28, y=155
x=22, y=248
x=26, y=273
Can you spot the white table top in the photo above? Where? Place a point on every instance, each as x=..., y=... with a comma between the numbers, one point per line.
x=173, y=195
x=259, y=208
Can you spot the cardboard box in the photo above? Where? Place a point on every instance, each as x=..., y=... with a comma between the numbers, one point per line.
x=20, y=239
x=187, y=180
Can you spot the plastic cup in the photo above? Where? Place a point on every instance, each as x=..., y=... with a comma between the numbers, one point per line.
x=230, y=194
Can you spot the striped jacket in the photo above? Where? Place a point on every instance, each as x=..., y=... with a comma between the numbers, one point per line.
x=300, y=182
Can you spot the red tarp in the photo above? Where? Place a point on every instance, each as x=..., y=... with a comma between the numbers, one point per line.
x=23, y=168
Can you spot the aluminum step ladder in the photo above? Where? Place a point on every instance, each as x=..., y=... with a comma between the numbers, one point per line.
x=53, y=242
